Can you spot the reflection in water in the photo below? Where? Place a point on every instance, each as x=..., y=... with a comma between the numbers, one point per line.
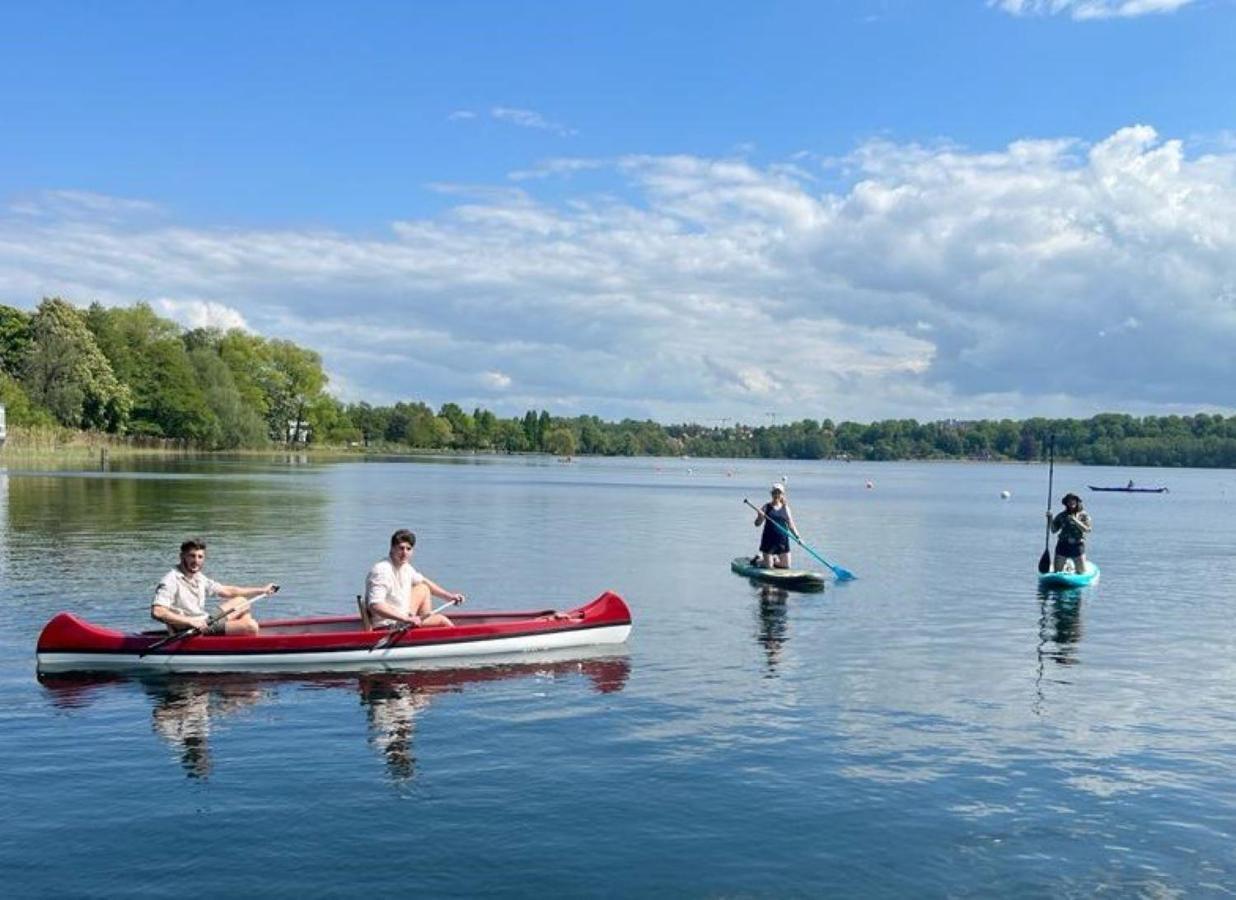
x=772, y=633
x=393, y=700
x=391, y=706
x=1060, y=631
x=183, y=709
x=186, y=705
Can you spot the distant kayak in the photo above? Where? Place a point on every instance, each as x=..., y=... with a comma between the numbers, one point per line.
x=794, y=579
x=1131, y=490
x=1070, y=579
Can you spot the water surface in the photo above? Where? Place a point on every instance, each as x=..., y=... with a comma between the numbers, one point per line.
x=936, y=728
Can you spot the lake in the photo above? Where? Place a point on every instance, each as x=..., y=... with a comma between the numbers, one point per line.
x=936, y=728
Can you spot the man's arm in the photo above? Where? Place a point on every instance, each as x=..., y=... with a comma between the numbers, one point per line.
x=387, y=611
x=437, y=590
x=231, y=592
x=179, y=621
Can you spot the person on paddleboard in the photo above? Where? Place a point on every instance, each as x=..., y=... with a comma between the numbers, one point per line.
x=1073, y=524
x=397, y=593
x=180, y=598
x=774, y=544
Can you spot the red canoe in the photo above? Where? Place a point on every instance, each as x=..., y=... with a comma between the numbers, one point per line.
x=71, y=644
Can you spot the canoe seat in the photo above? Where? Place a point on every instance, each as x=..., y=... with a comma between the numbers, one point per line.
x=366, y=622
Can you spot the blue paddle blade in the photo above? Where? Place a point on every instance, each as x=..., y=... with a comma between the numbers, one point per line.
x=844, y=574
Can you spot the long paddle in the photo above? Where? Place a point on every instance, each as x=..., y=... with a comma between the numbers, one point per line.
x=210, y=623
x=393, y=635
x=1045, y=559
x=843, y=574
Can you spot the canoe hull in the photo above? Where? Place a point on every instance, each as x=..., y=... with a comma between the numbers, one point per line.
x=794, y=579
x=1129, y=490
x=70, y=644
x=1070, y=579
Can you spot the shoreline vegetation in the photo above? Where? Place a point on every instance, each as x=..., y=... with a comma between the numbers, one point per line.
x=124, y=381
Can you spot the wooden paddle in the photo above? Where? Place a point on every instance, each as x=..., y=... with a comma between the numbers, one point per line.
x=842, y=573
x=1045, y=559
x=393, y=635
x=210, y=623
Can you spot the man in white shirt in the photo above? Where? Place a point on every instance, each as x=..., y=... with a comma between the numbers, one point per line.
x=397, y=593
x=180, y=599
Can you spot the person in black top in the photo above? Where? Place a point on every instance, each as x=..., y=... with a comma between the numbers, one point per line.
x=774, y=542
x=1073, y=524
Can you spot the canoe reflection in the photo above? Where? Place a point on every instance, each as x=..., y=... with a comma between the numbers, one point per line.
x=184, y=706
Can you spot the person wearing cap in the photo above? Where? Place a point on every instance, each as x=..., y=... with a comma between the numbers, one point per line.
x=774, y=543
x=397, y=593
x=1073, y=524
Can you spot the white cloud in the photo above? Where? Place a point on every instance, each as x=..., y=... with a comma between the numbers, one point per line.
x=527, y=118
x=461, y=115
x=200, y=313
x=935, y=282
x=66, y=204
x=496, y=380
x=1089, y=9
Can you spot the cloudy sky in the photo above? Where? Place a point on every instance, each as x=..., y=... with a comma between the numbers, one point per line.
x=689, y=211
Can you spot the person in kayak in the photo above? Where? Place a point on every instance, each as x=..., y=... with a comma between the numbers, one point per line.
x=396, y=592
x=774, y=544
x=1073, y=524
x=180, y=598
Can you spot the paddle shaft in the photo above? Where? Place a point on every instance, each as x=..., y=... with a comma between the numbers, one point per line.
x=1051, y=473
x=210, y=623
x=842, y=573
x=390, y=637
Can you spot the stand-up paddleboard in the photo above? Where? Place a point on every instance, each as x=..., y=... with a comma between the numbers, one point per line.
x=1070, y=579
x=794, y=579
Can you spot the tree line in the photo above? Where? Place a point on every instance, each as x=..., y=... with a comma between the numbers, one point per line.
x=126, y=370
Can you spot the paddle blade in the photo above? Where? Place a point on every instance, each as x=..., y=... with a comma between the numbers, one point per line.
x=1045, y=561
x=844, y=574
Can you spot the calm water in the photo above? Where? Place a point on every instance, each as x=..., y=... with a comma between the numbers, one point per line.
x=936, y=728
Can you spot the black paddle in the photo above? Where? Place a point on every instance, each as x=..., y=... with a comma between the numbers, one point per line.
x=1045, y=559
x=210, y=623
x=394, y=634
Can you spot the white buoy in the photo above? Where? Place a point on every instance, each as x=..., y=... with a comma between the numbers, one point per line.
x=870, y=485
x=1004, y=495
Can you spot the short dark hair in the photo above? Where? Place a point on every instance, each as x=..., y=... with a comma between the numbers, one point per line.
x=403, y=535
x=192, y=544
x=1067, y=497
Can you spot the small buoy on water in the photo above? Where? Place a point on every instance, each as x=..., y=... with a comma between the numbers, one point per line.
x=1004, y=495
x=870, y=485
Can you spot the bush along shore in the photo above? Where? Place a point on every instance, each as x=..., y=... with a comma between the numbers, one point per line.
x=124, y=379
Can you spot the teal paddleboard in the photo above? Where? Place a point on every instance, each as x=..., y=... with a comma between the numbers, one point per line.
x=795, y=579
x=1070, y=579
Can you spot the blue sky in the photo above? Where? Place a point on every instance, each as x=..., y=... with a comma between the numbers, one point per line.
x=685, y=211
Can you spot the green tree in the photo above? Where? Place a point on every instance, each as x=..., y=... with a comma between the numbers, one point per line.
x=19, y=410
x=292, y=380
x=64, y=370
x=235, y=424
x=560, y=441
x=14, y=339
x=148, y=355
